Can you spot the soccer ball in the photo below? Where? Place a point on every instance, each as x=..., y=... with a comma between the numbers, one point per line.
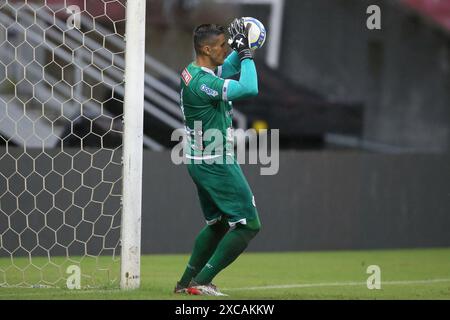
x=256, y=34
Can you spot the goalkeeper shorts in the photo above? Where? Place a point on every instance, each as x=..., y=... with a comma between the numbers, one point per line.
x=224, y=192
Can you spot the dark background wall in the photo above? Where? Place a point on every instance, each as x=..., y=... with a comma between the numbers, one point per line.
x=317, y=201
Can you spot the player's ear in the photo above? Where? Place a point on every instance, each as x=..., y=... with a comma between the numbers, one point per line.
x=206, y=50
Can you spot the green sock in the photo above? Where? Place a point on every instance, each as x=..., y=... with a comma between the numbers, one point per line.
x=205, y=245
x=229, y=248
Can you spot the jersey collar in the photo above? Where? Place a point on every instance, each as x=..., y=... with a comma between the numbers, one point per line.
x=208, y=70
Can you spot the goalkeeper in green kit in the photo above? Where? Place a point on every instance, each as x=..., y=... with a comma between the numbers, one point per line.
x=225, y=197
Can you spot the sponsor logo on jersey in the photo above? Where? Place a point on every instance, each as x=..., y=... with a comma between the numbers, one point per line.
x=208, y=91
x=186, y=76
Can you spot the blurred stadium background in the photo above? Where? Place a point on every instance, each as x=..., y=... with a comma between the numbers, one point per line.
x=364, y=120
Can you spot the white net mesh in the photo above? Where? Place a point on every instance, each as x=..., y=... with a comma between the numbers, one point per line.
x=61, y=105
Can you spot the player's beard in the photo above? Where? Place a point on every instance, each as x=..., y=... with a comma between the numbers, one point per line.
x=219, y=61
x=222, y=59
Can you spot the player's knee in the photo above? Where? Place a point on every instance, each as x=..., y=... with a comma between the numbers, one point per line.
x=254, y=225
x=252, y=228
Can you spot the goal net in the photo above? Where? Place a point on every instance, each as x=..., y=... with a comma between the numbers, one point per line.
x=62, y=94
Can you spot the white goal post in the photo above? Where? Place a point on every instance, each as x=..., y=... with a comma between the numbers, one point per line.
x=132, y=148
x=71, y=142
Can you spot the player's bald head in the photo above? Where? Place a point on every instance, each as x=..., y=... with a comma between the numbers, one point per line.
x=206, y=34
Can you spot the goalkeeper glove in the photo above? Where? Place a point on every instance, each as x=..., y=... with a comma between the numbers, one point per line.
x=233, y=28
x=239, y=39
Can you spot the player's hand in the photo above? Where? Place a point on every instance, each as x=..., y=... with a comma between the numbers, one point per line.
x=239, y=39
x=234, y=28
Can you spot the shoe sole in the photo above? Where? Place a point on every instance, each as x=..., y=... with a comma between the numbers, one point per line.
x=193, y=291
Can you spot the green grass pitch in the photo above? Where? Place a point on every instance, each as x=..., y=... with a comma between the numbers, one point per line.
x=405, y=274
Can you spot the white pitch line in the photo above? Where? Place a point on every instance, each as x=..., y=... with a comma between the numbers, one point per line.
x=38, y=293
x=336, y=284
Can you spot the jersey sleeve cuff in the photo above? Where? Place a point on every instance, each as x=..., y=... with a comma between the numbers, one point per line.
x=225, y=90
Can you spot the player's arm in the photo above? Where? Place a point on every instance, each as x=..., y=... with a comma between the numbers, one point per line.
x=210, y=87
x=230, y=67
x=246, y=87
